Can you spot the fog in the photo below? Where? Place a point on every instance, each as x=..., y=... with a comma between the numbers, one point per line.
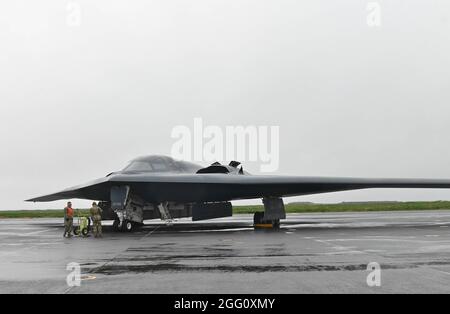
x=87, y=85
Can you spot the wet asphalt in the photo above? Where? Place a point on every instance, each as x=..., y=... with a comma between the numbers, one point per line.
x=311, y=253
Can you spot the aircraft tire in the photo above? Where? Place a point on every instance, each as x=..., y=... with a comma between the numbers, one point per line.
x=116, y=224
x=258, y=218
x=128, y=225
x=276, y=224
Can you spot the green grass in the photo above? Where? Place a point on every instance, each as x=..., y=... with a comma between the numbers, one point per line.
x=50, y=213
x=290, y=208
x=350, y=207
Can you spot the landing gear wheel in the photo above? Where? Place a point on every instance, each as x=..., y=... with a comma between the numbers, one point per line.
x=116, y=224
x=258, y=218
x=276, y=224
x=259, y=222
x=128, y=226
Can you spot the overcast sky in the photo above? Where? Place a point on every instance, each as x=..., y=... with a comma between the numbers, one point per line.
x=82, y=95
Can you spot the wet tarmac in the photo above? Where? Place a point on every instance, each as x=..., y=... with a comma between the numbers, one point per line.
x=311, y=253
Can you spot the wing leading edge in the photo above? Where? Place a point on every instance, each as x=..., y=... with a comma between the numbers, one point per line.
x=95, y=190
x=221, y=187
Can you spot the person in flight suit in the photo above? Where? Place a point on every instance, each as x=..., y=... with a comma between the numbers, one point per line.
x=96, y=215
x=68, y=220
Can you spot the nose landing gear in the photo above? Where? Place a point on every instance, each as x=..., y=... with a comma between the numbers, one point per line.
x=125, y=225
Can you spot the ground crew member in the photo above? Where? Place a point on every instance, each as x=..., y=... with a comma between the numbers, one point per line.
x=68, y=220
x=96, y=215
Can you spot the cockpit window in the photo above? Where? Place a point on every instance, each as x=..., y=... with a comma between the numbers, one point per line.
x=161, y=164
x=139, y=166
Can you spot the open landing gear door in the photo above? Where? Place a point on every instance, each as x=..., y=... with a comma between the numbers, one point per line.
x=119, y=197
x=204, y=211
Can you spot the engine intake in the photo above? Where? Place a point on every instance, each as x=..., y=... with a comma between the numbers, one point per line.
x=234, y=167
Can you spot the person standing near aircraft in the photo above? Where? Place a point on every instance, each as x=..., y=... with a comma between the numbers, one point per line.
x=96, y=215
x=68, y=220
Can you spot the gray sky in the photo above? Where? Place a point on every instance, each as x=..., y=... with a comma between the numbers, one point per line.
x=77, y=102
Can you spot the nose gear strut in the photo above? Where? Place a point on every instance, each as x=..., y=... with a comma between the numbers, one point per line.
x=165, y=214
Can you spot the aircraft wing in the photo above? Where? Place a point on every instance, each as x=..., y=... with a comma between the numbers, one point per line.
x=95, y=190
x=227, y=187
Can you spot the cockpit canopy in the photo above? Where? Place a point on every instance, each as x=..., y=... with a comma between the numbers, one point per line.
x=161, y=164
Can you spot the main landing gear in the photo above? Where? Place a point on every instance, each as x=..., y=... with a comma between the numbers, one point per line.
x=260, y=223
x=273, y=212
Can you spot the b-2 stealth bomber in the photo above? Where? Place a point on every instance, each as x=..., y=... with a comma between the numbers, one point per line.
x=161, y=187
